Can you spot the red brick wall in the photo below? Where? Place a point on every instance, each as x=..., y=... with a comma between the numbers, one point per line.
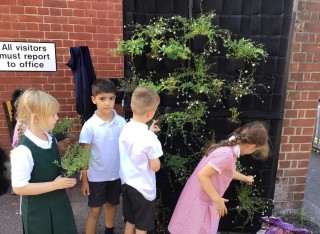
x=300, y=109
x=92, y=23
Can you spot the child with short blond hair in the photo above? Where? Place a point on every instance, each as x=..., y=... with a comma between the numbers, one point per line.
x=140, y=150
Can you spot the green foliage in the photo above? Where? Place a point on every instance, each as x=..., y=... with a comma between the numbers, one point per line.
x=245, y=49
x=234, y=115
x=170, y=85
x=196, y=87
x=197, y=79
x=149, y=84
x=304, y=218
x=75, y=158
x=174, y=50
x=178, y=165
x=217, y=86
x=250, y=203
x=155, y=29
x=202, y=25
x=242, y=86
x=131, y=47
x=177, y=121
x=197, y=111
x=65, y=126
x=155, y=46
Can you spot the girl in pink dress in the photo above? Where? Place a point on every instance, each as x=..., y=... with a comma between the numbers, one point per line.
x=201, y=203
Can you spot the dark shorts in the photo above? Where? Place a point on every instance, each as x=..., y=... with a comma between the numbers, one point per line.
x=138, y=210
x=102, y=192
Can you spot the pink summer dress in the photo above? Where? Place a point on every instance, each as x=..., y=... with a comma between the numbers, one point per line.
x=195, y=213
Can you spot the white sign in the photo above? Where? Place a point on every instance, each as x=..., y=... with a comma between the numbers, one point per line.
x=27, y=56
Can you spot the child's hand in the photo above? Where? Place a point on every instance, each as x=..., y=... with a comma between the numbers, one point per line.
x=63, y=145
x=154, y=127
x=85, y=188
x=221, y=206
x=249, y=180
x=63, y=182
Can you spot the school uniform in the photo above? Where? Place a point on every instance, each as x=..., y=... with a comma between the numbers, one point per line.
x=194, y=211
x=137, y=146
x=104, y=158
x=32, y=162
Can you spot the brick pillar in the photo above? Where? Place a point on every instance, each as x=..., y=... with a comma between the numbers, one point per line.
x=300, y=109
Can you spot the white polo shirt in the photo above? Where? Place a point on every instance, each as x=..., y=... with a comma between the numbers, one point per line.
x=103, y=137
x=22, y=161
x=137, y=145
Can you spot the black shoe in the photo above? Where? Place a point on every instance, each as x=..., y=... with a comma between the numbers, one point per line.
x=108, y=231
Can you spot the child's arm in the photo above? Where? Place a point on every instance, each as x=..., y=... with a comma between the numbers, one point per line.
x=204, y=176
x=45, y=187
x=83, y=176
x=154, y=164
x=247, y=179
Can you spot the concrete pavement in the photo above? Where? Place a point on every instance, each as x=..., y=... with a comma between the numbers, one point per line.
x=311, y=204
x=10, y=220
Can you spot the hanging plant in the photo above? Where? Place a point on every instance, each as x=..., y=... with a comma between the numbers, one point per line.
x=245, y=49
x=182, y=123
x=178, y=166
x=250, y=205
x=241, y=87
x=170, y=85
x=234, y=115
x=175, y=50
x=131, y=47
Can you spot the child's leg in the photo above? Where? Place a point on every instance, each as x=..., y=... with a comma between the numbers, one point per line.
x=140, y=231
x=96, y=200
x=92, y=219
x=113, y=191
x=110, y=214
x=129, y=228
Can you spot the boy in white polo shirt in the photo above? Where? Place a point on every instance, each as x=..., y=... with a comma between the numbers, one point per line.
x=101, y=182
x=140, y=150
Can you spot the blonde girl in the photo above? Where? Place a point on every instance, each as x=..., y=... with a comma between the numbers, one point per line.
x=201, y=203
x=45, y=205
